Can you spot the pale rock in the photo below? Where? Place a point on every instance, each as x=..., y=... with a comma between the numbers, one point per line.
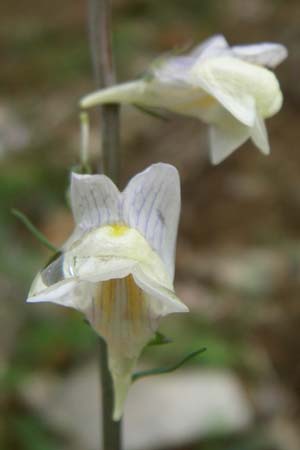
x=160, y=411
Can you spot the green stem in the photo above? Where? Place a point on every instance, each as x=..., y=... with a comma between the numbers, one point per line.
x=102, y=57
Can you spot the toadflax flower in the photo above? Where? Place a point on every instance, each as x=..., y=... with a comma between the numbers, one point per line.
x=118, y=265
x=229, y=88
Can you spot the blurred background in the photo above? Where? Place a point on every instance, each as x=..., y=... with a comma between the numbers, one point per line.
x=238, y=258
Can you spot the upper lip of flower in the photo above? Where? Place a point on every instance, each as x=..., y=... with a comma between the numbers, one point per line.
x=174, y=68
x=150, y=204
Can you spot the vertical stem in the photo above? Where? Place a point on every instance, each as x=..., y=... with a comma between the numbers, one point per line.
x=104, y=73
x=102, y=58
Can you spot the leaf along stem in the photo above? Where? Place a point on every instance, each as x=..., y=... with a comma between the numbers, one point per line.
x=33, y=230
x=161, y=370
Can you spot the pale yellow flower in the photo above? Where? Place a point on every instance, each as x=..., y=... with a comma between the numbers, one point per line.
x=118, y=265
x=229, y=88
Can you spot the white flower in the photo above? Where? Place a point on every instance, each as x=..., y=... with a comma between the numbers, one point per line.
x=118, y=265
x=228, y=88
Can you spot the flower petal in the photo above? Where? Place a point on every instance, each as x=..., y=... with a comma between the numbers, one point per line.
x=240, y=87
x=172, y=71
x=94, y=200
x=96, y=269
x=222, y=83
x=164, y=299
x=265, y=54
x=210, y=48
x=175, y=68
x=151, y=204
x=56, y=285
x=259, y=135
x=226, y=136
x=69, y=293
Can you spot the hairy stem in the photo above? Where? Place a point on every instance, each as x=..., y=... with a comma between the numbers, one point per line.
x=104, y=74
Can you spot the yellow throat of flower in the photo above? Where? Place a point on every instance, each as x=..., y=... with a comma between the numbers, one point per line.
x=122, y=309
x=119, y=229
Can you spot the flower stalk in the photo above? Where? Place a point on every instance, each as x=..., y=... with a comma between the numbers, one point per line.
x=104, y=74
x=85, y=137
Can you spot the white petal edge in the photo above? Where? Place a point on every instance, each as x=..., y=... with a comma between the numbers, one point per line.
x=222, y=78
x=226, y=136
x=267, y=54
x=70, y=293
x=210, y=47
x=240, y=87
x=166, y=300
x=151, y=204
x=259, y=135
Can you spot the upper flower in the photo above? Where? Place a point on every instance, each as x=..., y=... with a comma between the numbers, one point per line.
x=118, y=265
x=229, y=88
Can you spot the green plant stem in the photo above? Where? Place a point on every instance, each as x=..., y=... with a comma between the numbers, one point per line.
x=103, y=67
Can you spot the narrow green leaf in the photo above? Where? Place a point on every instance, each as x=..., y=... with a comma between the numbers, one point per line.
x=36, y=233
x=161, y=370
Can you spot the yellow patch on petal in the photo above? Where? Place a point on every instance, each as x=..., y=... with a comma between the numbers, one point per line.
x=119, y=229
